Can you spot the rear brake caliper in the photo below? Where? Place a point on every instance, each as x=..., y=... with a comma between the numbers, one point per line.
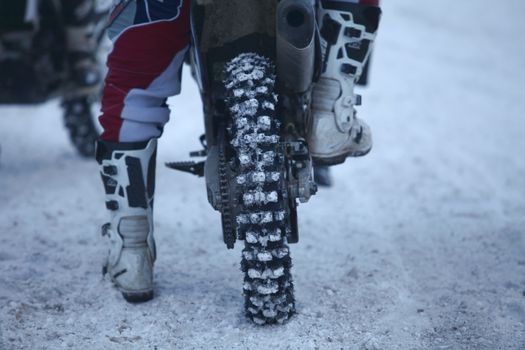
x=300, y=185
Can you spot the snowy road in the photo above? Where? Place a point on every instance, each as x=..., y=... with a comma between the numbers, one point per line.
x=420, y=245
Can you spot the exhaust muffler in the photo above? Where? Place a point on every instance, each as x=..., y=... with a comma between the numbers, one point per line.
x=296, y=44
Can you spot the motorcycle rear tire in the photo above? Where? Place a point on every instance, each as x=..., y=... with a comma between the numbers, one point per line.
x=80, y=124
x=262, y=220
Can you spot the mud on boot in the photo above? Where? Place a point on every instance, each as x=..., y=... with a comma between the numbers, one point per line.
x=128, y=175
x=348, y=31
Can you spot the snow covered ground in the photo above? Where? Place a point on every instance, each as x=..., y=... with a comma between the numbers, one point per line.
x=420, y=245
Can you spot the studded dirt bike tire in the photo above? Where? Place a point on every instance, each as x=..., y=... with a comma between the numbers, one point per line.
x=253, y=135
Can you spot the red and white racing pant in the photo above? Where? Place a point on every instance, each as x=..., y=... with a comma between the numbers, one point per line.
x=150, y=39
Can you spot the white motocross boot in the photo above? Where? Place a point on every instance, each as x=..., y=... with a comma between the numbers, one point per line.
x=348, y=31
x=128, y=175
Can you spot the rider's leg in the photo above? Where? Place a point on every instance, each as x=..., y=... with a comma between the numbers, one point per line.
x=81, y=44
x=150, y=40
x=348, y=30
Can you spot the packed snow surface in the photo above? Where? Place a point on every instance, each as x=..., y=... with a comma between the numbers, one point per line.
x=418, y=246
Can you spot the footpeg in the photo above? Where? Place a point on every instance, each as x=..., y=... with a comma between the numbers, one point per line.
x=195, y=168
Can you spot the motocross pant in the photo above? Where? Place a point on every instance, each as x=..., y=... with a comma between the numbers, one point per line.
x=150, y=39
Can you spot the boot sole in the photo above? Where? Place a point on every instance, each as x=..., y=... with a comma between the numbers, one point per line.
x=135, y=297
x=340, y=159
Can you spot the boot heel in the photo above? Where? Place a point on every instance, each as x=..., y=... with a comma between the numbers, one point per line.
x=135, y=298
